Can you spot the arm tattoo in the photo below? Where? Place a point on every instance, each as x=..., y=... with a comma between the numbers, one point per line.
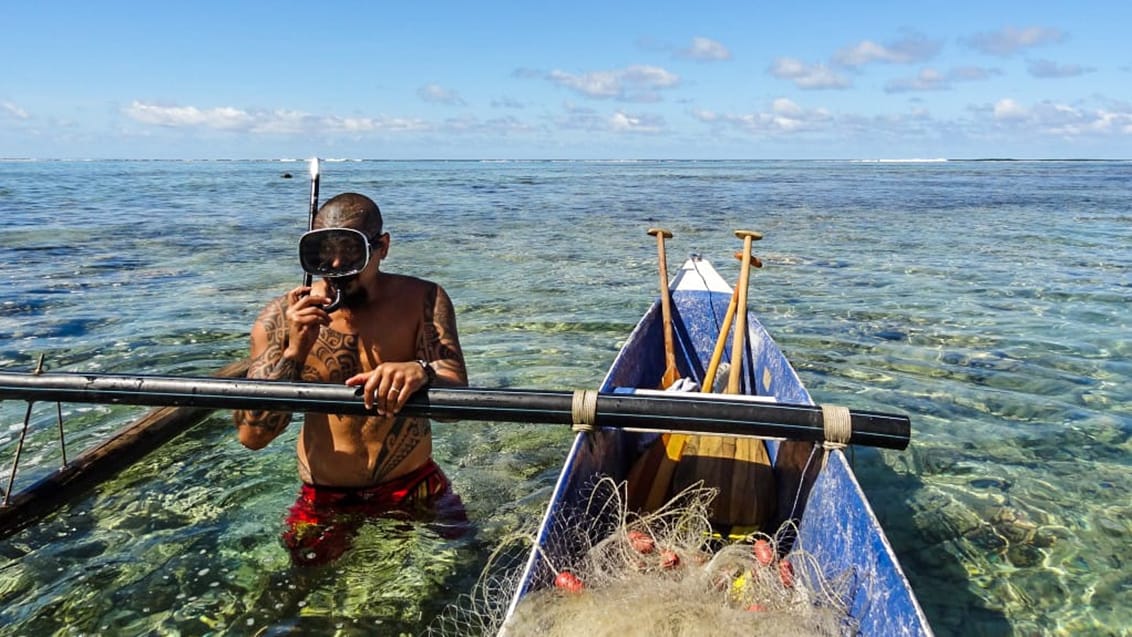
x=285, y=369
x=439, y=341
x=270, y=365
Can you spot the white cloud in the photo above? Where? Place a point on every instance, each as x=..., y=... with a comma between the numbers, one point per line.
x=1010, y=40
x=1049, y=69
x=221, y=118
x=1065, y=120
x=268, y=122
x=705, y=50
x=784, y=116
x=622, y=122
x=807, y=76
x=971, y=73
x=581, y=118
x=1007, y=109
x=287, y=122
x=508, y=125
x=909, y=50
x=499, y=126
x=863, y=53
x=587, y=119
x=786, y=108
x=13, y=110
x=929, y=79
x=437, y=94
x=707, y=116
x=638, y=83
x=793, y=122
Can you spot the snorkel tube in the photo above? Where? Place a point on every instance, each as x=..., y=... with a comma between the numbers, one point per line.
x=337, y=298
x=307, y=277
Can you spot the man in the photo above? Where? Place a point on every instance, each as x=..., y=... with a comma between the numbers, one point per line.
x=391, y=336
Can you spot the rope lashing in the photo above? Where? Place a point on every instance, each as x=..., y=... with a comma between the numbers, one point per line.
x=838, y=425
x=838, y=428
x=583, y=409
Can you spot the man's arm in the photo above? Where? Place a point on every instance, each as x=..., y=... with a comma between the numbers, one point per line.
x=441, y=345
x=279, y=348
x=388, y=387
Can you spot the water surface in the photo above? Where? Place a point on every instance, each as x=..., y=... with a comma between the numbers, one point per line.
x=988, y=300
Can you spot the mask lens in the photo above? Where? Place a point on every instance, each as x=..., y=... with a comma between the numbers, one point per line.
x=333, y=252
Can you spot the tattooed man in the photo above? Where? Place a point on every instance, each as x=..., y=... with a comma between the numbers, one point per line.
x=392, y=335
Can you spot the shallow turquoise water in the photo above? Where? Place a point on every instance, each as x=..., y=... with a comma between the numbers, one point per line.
x=989, y=300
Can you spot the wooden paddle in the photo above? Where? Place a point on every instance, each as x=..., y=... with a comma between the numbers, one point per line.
x=671, y=373
x=653, y=478
x=739, y=341
x=724, y=330
x=739, y=468
x=651, y=475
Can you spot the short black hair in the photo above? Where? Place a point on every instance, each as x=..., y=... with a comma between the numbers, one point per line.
x=350, y=210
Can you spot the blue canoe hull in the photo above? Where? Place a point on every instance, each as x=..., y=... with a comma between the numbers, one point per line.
x=838, y=527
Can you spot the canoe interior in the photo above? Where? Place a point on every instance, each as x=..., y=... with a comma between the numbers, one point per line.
x=838, y=527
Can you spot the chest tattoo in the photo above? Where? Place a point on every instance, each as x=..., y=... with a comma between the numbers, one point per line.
x=337, y=356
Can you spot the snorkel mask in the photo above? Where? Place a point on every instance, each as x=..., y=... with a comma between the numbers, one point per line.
x=335, y=254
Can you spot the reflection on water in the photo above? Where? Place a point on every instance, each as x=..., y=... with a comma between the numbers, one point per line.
x=987, y=300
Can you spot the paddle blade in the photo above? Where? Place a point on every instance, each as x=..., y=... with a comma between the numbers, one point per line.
x=739, y=468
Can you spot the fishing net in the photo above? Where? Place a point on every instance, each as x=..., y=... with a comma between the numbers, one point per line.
x=604, y=570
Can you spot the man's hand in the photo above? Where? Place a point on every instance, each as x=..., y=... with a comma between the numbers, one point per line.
x=304, y=317
x=389, y=385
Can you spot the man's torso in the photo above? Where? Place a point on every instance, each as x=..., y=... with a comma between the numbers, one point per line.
x=355, y=451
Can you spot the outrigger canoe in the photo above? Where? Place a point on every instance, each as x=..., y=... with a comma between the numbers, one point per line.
x=837, y=526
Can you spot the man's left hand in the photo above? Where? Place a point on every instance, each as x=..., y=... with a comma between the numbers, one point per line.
x=389, y=385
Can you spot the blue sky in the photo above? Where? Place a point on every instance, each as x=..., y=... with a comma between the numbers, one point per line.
x=621, y=80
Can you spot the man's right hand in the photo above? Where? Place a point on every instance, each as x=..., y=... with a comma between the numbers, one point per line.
x=304, y=318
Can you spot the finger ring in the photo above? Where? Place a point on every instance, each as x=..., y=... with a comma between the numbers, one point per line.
x=395, y=390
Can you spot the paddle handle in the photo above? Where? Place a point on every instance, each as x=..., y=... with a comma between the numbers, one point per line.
x=739, y=340
x=720, y=343
x=724, y=330
x=670, y=372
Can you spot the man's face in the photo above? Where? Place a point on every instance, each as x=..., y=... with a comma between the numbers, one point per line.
x=336, y=252
x=342, y=256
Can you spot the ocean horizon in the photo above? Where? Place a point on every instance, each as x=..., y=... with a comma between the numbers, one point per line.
x=332, y=160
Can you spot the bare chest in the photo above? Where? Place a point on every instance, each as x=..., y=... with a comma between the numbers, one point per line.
x=338, y=355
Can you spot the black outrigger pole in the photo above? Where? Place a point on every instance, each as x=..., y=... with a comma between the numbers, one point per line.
x=100, y=462
x=681, y=412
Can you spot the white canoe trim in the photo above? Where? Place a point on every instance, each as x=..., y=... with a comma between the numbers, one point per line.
x=693, y=276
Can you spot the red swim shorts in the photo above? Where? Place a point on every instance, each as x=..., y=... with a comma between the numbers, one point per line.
x=321, y=524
